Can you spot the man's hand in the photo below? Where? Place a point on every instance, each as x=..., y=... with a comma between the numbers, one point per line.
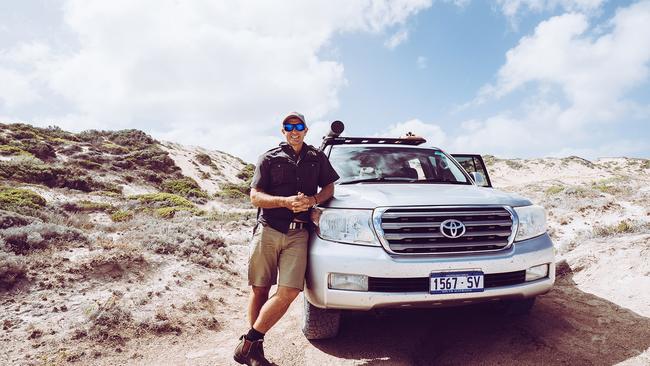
x=299, y=202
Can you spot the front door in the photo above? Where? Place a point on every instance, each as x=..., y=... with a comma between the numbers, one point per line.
x=475, y=166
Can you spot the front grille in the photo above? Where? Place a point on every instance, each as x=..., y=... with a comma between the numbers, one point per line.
x=421, y=284
x=417, y=230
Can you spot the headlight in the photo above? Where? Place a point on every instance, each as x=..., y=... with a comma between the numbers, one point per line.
x=346, y=226
x=532, y=222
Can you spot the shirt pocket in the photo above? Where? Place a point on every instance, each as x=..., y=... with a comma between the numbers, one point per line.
x=281, y=173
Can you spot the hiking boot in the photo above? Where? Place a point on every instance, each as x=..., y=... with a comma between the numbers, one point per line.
x=250, y=353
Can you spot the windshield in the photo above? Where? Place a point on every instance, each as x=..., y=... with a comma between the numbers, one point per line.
x=398, y=164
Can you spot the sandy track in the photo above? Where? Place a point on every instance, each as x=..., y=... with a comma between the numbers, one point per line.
x=566, y=327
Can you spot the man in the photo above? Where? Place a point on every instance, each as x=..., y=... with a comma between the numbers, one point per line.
x=284, y=187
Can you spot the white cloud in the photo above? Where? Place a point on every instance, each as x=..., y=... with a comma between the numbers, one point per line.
x=396, y=39
x=432, y=132
x=511, y=8
x=579, y=81
x=593, y=73
x=421, y=62
x=208, y=73
x=459, y=3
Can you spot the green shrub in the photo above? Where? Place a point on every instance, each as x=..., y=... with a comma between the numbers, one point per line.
x=19, y=198
x=8, y=150
x=131, y=138
x=608, y=186
x=35, y=171
x=12, y=269
x=120, y=216
x=624, y=226
x=246, y=174
x=69, y=150
x=513, y=164
x=24, y=135
x=88, y=206
x=169, y=212
x=114, y=148
x=580, y=192
x=39, y=149
x=39, y=235
x=9, y=219
x=241, y=187
x=186, y=187
x=231, y=194
x=87, y=164
x=108, y=193
x=645, y=164
x=204, y=159
x=153, y=158
x=230, y=216
x=554, y=190
x=163, y=200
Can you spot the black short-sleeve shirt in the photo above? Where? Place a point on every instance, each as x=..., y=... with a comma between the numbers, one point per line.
x=280, y=172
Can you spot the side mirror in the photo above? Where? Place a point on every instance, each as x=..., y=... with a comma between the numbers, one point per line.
x=479, y=179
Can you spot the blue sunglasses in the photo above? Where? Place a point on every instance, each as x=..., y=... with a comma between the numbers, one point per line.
x=298, y=126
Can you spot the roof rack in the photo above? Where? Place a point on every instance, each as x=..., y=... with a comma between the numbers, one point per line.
x=334, y=138
x=341, y=140
x=337, y=127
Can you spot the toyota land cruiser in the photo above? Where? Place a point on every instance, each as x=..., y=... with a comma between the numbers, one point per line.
x=412, y=226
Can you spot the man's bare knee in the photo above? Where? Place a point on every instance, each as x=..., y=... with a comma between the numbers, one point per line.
x=287, y=294
x=261, y=291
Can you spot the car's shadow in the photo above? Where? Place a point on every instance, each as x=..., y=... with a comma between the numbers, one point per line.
x=566, y=327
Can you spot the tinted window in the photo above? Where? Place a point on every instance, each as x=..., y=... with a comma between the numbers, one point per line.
x=474, y=166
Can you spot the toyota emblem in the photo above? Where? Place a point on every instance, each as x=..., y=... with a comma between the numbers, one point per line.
x=452, y=228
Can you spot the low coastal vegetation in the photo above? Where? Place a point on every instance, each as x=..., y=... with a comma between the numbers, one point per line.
x=186, y=187
x=622, y=227
x=107, y=218
x=16, y=199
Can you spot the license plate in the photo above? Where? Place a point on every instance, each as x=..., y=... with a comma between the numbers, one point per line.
x=456, y=282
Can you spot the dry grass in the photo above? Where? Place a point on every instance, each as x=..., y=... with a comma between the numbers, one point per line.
x=12, y=269
x=190, y=238
x=622, y=227
x=38, y=235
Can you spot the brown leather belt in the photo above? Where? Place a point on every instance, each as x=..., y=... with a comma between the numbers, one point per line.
x=294, y=225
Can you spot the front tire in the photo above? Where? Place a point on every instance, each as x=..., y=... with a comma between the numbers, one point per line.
x=320, y=323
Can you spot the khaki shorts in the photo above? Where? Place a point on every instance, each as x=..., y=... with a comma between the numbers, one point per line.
x=271, y=252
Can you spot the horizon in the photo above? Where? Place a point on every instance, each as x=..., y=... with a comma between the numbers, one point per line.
x=253, y=162
x=508, y=78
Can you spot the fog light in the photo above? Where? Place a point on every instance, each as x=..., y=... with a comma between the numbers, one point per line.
x=352, y=282
x=537, y=272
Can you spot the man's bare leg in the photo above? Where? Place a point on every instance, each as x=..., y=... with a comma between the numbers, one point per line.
x=275, y=308
x=259, y=296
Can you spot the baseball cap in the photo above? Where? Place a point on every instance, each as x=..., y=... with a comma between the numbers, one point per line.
x=294, y=115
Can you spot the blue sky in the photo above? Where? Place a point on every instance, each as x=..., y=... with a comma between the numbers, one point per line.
x=513, y=78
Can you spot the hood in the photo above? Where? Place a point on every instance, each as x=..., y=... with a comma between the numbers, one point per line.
x=372, y=195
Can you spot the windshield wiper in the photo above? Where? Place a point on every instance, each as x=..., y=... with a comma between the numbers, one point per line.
x=431, y=180
x=401, y=179
x=377, y=179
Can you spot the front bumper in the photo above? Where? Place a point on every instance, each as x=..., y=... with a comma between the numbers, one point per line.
x=327, y=257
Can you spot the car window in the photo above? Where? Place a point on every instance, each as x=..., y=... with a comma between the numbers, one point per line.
x=390, y=163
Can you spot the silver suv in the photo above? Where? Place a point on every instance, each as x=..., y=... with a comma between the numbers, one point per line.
x=412, y=226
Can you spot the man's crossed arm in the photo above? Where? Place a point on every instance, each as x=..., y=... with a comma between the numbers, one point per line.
x=296, y=203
